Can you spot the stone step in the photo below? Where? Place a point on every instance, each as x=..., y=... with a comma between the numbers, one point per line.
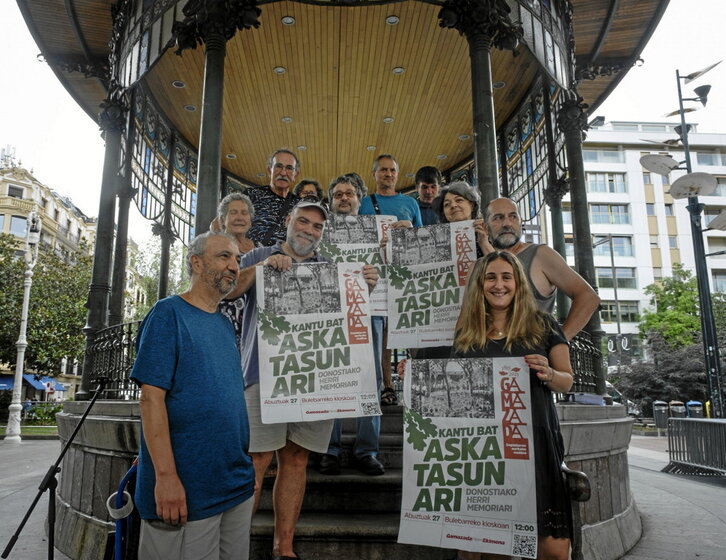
x=391, y=421
x=390, y=450
x=333, y=536
x=350, y=491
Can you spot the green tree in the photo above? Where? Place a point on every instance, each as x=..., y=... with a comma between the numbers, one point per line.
x=676, y=310
x=56, y=313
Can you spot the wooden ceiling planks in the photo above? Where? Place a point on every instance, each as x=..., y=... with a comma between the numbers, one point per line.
x=339, y=85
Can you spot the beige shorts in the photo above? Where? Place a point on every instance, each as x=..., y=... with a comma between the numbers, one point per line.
x=313, y=436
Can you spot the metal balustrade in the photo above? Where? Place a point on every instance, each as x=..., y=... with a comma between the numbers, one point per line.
x=697, y=446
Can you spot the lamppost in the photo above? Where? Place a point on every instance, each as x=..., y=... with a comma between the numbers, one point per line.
x=12, y=434
x=619, y=336
x=690, y=186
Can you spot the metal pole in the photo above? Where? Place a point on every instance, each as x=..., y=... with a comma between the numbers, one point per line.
x=210, y=135
x=166, y=236
x=708, y=323
x=619, y=337
x=482, y=106
x=12, y=433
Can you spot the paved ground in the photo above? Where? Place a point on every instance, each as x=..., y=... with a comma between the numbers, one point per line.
x=683, y=517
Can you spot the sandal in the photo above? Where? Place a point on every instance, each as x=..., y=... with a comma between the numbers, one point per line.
x=388, y=397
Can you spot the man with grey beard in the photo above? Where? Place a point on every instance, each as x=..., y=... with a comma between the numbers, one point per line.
x=291, y=442
x=546, y=270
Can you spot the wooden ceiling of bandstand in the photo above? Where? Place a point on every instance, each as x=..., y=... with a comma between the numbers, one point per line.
x=339, y=83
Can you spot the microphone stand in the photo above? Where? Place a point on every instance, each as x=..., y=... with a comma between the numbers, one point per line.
x=50, y=482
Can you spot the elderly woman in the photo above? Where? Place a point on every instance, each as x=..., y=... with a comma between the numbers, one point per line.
x=459, y=201
x=499, y=318
x=234, y=217
x=308, y=188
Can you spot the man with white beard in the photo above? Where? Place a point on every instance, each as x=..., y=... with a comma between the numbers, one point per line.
x=292, y=442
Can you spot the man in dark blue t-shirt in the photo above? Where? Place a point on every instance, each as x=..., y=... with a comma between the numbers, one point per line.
x=196, y=481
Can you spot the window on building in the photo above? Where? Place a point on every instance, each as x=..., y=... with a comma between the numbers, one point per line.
x=628, y=312
x=657, y=274
x=716, y=244
x=650, y=209
x=2, y=223
x=15, y=192
x=566, y=214
x=56, y=215
x=622, y=246
x=719, y=280
x=569, y=246
x=654, y=128
x=705, y=158
x=609, y=214
x=721, y=187
x=18, y=226
x=629, y=127
x=668, y=209
x=44, y=203
x=606, y=183
x=673, y=242
x=603, y=155
x=625, y=277
x=710, y=213
x=653, y=241
x=647, y=180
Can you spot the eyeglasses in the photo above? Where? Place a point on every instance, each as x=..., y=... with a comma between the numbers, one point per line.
x=289, y=168
x=343, y=194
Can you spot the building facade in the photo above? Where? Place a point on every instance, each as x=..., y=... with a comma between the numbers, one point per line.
x=650, y=230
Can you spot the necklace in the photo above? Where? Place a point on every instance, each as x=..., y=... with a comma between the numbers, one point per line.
x=498, y=333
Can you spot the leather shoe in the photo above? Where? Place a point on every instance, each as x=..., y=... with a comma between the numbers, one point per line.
x=370, y=465
x=329, y=464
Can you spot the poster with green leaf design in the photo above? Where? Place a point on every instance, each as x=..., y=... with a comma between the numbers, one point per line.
x=426, y=279
x=354, y=238
x=315, y=343
x=468, y=456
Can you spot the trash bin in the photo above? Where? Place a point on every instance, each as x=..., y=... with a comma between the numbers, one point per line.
x=660, y=414
x=678, y=409
x=694, y=409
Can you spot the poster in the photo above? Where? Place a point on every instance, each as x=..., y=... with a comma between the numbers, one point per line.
x=314, y=337
x=468, y=456
x=426, y=280
x=358, y=239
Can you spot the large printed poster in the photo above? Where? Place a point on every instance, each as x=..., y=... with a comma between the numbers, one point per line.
x=426, y=280
x=358, y=239
x=314, y=337
x=468, y=456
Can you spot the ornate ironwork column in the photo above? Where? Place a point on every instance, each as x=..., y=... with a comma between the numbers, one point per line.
x=120, y=255
x=572, y=120
x=485, y=24
x=164, y=230
x=112, y=121
x=212, y=22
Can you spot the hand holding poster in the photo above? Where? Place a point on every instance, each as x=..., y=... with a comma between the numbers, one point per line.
x=314, y=336
x=468, y=456
x=349, y=238
x=426, y=280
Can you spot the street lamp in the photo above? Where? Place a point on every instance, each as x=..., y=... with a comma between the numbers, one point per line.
x=12, y=433
x=619, y=336
x=690, y=186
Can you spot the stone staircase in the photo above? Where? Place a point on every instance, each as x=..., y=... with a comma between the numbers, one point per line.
x=351, y=515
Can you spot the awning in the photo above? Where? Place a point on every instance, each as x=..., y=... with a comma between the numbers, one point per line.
x=7, y=382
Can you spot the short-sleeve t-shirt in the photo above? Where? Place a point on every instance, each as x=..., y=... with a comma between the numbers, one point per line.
x=193, y=356
x=268, y=225
x=399, y=205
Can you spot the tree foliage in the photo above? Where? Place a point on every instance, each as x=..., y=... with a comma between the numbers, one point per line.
x=56, y=314
x=676, y=317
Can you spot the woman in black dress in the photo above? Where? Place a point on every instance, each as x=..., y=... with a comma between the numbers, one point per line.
x=499, y=318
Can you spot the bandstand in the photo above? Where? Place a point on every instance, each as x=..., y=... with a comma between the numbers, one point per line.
x=193, y=96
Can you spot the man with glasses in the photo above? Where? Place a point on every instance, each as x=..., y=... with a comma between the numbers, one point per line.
x=273, y=203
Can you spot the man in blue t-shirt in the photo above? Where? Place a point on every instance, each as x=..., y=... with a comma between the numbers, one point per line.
x=196, y=481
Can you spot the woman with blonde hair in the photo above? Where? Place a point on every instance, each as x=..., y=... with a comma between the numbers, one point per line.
x=499, y=318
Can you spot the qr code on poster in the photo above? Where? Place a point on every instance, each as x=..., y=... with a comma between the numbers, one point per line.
x=525, y=546
x=369, y=408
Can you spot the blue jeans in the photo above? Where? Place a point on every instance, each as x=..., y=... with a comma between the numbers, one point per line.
x=368, y=428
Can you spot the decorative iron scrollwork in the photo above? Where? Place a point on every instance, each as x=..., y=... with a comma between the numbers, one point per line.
x=573, y=114
x=211, y=19
x=556, y=191
x=604, y=69
x=488, y=18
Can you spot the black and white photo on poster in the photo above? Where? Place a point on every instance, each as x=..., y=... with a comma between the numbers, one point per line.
x=305, y=288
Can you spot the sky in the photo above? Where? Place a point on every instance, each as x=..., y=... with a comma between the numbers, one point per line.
x=62, y=144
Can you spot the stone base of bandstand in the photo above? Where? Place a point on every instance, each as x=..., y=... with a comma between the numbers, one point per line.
x=362, y=517
x=596, y=439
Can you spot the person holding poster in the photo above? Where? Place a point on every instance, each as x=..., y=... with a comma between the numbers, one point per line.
x=458, y=202
x=499, y=318
x=293, y=441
